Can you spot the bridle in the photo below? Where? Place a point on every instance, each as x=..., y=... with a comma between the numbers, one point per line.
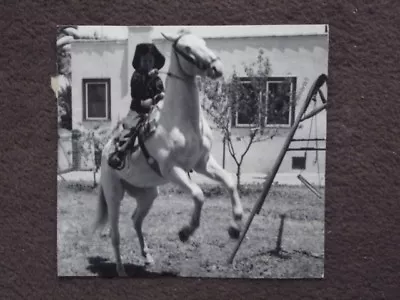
x=193, y=60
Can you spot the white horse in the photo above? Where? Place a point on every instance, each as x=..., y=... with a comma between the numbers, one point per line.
x=182, y=142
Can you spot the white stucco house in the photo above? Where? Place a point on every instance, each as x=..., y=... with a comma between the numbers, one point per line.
x=101, y=71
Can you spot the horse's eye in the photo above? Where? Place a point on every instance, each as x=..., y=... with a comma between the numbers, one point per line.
x=187, y=48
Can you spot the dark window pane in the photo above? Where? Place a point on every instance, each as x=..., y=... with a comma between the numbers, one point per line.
x=248, y=104
x=278, y=105
x=298, y=162
x=97, y=105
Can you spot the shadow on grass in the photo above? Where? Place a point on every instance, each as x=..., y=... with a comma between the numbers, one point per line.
x=106, y=269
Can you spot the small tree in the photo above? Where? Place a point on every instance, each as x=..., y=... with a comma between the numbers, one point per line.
x=91, y=141
x=224, y=100
x=65, y=35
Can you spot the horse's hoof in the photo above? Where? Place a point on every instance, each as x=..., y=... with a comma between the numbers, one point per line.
x=234, y=233
x=149, y=260
x=105, y=234
x=184, y=234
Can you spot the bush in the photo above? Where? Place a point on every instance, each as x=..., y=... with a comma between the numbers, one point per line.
x=90, y=142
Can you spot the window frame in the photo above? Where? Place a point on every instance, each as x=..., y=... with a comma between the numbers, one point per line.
x=107, y=83
x=263, y=102
x=292, y=105
x=245, y=80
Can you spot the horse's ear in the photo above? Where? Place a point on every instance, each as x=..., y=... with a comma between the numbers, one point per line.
x=169, y=37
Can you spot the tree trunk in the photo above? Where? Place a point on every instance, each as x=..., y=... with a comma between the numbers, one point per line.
x=238, y=174
x=223, y=152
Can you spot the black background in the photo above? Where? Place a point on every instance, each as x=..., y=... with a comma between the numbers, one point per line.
x=362, y=198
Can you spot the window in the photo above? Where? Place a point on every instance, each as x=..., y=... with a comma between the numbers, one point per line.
x=247, y=109
x=96, y=99
x=280, y=104
x=265, y=102
x=298, y=162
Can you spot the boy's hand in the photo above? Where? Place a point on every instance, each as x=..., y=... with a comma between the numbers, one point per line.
x=158, y=98
x=147, y=103
x=153, y=73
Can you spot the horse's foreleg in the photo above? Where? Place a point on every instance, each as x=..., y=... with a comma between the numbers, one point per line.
x=145, y=201
x=210, y=168
x=180, y=177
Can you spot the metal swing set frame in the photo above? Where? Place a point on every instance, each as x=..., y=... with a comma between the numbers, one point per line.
x=302, y=116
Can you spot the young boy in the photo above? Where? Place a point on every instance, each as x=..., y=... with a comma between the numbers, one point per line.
x=147, y=89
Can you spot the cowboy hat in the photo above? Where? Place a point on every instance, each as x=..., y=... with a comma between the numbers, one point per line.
x=143, y=49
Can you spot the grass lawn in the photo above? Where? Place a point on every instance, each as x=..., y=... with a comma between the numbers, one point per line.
x=206, y=253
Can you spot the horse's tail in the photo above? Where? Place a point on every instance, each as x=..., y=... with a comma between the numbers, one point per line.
x=102, y=211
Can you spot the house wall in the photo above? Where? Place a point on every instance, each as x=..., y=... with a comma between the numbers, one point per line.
x=305, y=57
x=100, y=59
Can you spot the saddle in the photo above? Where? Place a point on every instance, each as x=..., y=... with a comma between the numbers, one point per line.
x=132, y=139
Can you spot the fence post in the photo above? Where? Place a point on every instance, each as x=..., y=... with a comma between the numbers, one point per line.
x=75, y=149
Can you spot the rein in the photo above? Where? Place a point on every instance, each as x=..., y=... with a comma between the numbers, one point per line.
x=193, y=60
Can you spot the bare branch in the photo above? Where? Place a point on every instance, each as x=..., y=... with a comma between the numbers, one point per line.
x=252, y=136
x=232, y=151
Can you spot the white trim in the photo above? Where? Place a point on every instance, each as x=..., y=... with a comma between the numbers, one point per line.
x=215, y=32
x=205, y=31
x=244, y=31
x=87, y=118
x=99, y=41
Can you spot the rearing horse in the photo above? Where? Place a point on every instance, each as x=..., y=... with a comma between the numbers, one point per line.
x=182, y=141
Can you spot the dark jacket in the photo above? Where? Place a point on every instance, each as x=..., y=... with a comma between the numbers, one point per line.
x=144, y=87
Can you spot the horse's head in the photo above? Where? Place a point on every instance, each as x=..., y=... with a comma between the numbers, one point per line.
x=193, y=56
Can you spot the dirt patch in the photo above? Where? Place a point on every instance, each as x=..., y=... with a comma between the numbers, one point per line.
x=206, y=253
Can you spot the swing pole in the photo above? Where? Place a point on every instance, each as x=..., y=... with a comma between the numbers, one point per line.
x=309, y=186
x=257, y=207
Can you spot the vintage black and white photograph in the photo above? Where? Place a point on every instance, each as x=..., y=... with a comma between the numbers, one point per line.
x=191, y=151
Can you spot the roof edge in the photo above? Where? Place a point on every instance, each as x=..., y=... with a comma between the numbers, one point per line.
x=247, y=31
x=94, y=41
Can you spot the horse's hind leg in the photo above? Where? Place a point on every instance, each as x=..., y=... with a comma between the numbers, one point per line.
x=114, y=193
x=210, y=168
x=145, y=201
